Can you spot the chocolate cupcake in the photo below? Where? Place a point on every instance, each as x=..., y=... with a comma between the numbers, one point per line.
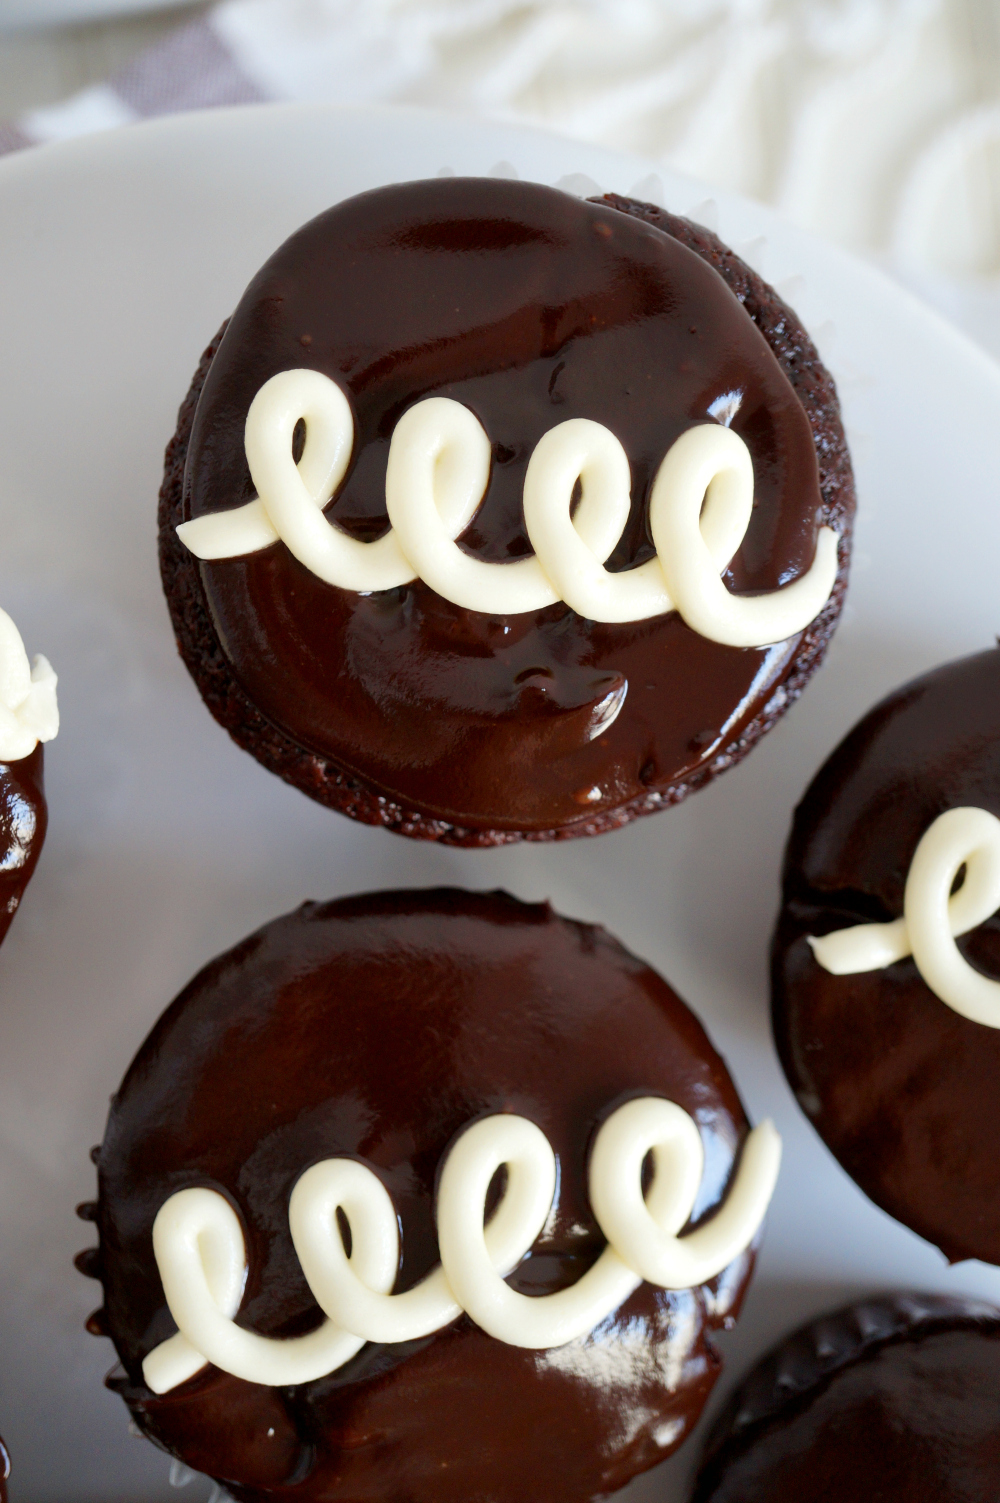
x=331, y=1112
x=895, y=1399
x=432, y=529
x=28, y=716
x=886, y=960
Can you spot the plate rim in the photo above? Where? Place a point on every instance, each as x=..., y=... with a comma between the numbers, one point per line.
x=49, y=155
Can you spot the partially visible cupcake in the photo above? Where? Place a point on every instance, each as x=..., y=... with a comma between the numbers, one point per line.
x=886, y=958
x=299, y=1166
x=432, y=530
x=29, y=716
x=896, y=1398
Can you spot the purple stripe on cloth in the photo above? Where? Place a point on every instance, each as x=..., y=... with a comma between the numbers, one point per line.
x=190, y=71
x=11, y=139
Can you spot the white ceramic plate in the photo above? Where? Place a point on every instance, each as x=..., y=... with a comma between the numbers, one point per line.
x=119, y=257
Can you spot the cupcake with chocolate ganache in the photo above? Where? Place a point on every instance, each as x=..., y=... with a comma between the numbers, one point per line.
x=427, y=1195
x=29, y=715
x=886, y=959
x=895, y=1399
x=494, y=515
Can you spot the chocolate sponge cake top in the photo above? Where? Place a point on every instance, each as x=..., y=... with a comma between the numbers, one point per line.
x=443, y=557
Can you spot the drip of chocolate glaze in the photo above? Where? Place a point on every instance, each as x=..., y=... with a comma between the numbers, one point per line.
x=378, y=1027
x=901, y=1087
x=897, y=1398
x=530, y=307
x=23, y=822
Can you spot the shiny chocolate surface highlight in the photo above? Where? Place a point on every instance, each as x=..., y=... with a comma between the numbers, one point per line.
x=900, y=1087
x=379, y=1027
x=23, y=823
x=530, y=307
x=895, y=1399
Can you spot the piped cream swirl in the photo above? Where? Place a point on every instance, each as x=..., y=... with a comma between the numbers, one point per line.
x=933, y=915
x=201, y=1255
x=438, y=470
x=29, y=712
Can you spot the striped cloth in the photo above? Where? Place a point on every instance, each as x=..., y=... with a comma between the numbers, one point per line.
x=193, y=69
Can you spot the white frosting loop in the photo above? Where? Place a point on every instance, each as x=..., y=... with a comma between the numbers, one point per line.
x=200, y=1250
x=699, y=511
x=933, y=916
x=29, y=712
x=518, y=1319
x=573, y=549
x=644, y=1230
x=291, y=497
x=438, y=471
x=342, y=1292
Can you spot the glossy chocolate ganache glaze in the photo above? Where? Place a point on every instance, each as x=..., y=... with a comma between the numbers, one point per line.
x=527, y=308
x=895, y=1399
x=384, y=1038
x=28, y=716
x=23, y=823
x=894, y=1050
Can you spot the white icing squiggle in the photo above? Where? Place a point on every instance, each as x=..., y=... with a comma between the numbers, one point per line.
x=933, y=916
x=200, y=1251
x=438, y=471
x=29, y=712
